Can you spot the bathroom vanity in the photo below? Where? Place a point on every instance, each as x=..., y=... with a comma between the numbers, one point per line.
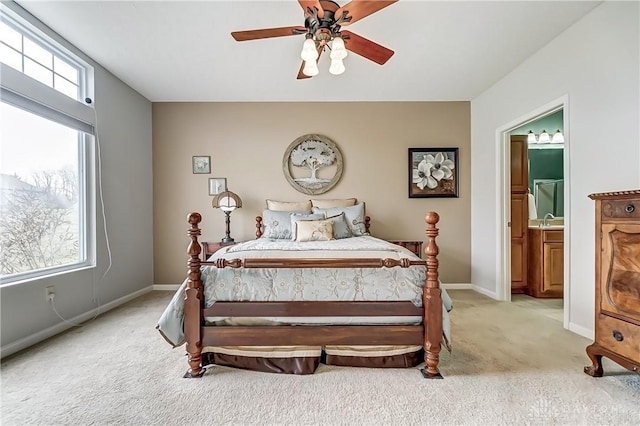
x=546, y=261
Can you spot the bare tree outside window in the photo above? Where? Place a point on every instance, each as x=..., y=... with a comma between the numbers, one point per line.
x=39, y=221
x=41, y=205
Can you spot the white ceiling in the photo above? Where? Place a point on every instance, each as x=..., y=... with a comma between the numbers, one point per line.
x=183, y=51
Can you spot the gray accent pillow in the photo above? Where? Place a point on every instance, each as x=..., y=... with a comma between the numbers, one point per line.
x=277, y=224
x=341, y=228
x=354, y=215
x=296, y=217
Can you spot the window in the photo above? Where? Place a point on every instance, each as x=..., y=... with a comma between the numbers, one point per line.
x=35, y=59
x=46, y=155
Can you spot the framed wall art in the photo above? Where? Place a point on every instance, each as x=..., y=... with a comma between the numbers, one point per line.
x=201, y=164
x=312, y=164
x=217, y=185
x=433, y=172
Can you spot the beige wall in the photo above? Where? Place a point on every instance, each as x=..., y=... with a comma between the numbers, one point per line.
x=246, y=142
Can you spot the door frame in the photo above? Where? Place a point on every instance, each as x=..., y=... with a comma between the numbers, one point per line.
x=503, y=199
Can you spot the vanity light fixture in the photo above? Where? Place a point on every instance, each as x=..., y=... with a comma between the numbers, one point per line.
x=544, y=138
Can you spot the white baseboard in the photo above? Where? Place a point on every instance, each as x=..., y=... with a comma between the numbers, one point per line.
x=469, y=286
x=25, y=342
x=166, y=287
x=488, y=293
x=457, y=286
x=582, y=331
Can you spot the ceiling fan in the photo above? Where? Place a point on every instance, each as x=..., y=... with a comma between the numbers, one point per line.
x=323, y=24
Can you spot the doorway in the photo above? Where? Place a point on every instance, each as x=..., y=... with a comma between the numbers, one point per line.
x=552, y=195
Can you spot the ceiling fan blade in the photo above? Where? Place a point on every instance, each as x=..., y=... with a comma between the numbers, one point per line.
x=366, y=48
x=311, y=4
x=302, y=75
x=358, y=9
x=267, y=33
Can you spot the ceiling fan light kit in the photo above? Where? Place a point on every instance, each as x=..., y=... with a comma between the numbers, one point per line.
x=323, y=30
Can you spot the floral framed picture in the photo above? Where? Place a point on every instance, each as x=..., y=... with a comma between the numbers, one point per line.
x=201, y=164
x=217, y=185
x=433, y=172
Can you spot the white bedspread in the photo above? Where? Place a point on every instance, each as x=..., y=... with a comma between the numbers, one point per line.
x=307, y=284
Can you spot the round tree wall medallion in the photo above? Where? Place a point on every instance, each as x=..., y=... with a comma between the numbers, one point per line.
x=312, y=164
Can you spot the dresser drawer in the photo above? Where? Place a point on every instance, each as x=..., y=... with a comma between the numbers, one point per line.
x=619, y=336
x=621, y=209
x=555, y=236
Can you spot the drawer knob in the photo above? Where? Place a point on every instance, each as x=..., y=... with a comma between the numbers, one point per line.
x=618, y=336
x=630, y=208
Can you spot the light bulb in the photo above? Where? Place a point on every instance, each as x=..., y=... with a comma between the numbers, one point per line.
x=338, y=51
x=227, y=204
x=310, y=68
x=558, y=137
x=544, y=137
x=309, y=51
x=337, y=67
x=531, y=137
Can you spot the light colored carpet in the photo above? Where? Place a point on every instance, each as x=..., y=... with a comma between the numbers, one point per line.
x=512, y=363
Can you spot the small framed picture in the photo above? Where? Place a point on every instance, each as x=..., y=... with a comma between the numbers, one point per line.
x=201, y=164
x=433, y=172
x=217, y=185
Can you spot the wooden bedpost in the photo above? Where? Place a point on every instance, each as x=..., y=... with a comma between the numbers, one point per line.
x=258, y=226
x=193, y=301
x=432, y=302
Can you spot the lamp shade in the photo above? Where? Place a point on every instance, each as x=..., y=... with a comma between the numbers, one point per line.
x=226, y=201
x=337, y=67
x=338, y=51
x=544, y=137
x=310, y=68
x=531, y=137
x=558, y=137
x=309, y=51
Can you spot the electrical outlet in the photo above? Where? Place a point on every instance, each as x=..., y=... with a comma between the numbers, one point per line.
x=51, y=293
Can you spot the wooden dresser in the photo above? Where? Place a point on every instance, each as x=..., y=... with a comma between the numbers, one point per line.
x=617, y=313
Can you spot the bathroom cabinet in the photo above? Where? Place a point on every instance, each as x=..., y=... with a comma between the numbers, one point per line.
x=546, y=262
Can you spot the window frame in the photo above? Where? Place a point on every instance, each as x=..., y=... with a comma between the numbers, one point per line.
x=24, y=92
x=26, y=30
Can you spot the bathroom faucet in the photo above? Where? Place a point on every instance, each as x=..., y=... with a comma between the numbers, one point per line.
x=545, y=221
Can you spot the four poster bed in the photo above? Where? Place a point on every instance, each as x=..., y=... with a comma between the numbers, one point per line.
x=285, y=305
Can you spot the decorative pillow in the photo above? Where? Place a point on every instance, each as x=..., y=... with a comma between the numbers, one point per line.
x=337, y=202
x=354, y=215
x=277, y=224
x=289, y=206
x=341, y=227
x=315, y=230
x=296, y=217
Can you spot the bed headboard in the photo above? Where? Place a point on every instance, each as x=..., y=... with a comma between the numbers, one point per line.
x=367, y=225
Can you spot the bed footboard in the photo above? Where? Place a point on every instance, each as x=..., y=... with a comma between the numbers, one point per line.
x=428, y=334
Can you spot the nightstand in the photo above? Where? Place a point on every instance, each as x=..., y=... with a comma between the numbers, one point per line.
x=209, y=248
x=414, y=246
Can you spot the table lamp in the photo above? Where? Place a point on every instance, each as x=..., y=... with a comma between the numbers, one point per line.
x=227, y=201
